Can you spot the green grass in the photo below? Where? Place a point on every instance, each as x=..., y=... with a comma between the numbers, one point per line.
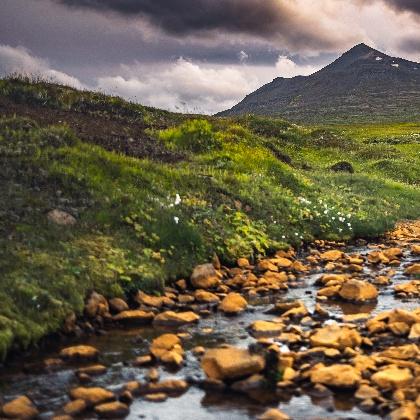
x=246, y=186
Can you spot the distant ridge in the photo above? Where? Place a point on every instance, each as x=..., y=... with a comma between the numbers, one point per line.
x=362, y=85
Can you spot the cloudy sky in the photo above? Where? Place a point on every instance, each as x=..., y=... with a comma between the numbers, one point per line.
x=194, y=55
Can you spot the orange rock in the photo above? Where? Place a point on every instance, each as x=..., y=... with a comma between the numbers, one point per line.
x=170, y=318
x=358, y=291
x=231, y=363
x=332, y=255
x=233, y=303
x=20, y=408
x=336, y=337
x=337, y=376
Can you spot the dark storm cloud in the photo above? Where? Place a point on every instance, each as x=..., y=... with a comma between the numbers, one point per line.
x=410, y=44
x=266, y=19
x=405, y=5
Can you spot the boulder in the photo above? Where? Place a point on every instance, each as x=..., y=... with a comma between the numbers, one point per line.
x=204, y=276
x=92, y=370
x=273, y=414
x=168, y=386
x=332, y=255
x=204, y=296
x=377, y=257
x=168, y=349
x=415, y=249
x=409, y=288
x=414, y=332
x=393, y=253
x=267, y=265
x=392, y=377
x=61, y=218
x=233, y=303
x=134, y=317
x=412, y=270
x=20, y=408
x=75, y=407
x=112, y=410
x=336, y=337
x=407, y=411
x=266, y=328
x=77, y=353
x=365, y=392
x=118, y=305
x=337, y=376
x=175, y=319
x=148, y=300
x=282, y=262
x=96, y=305
x=242, y=262
x=92, y=396
x=158, y=397
x=231, y=363
x=358, y=291
x=251, y=383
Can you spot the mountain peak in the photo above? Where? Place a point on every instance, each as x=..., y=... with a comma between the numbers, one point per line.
x=360, y=48
x=363, y=84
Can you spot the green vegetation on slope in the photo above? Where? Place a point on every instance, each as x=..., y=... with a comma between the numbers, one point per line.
x=234, y=187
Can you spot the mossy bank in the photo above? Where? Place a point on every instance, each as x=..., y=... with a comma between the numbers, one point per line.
x=155, y=193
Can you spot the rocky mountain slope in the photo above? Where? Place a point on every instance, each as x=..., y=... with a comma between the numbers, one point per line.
x=362, y=85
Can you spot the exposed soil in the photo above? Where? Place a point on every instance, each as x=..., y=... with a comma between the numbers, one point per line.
x=115, y=135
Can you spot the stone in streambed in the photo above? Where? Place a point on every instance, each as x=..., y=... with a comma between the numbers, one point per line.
x=233, y=304
x=112, y=410
x=204, y=296
x=392, y=377
x=20, y=408
x=336, y=337
x=92, y=396
x=75, y=407
x=118, y=305
x=358, y=291
x=273, y=414
x=413, y=270
x=134, y=317
x=266, y=328
x=231, y=363
x=175, y=319
x=204, y=276
x=77, y=353
x=332, y=255
x=336, y=376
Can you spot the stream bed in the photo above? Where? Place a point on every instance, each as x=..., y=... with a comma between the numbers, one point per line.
x=119, y=347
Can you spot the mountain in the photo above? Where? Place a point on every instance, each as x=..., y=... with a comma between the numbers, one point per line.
x=362, y=85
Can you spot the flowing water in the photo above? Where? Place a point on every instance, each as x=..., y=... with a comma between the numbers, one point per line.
x=49, y=389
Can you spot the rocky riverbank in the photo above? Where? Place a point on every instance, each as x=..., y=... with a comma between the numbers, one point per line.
x=334, y=324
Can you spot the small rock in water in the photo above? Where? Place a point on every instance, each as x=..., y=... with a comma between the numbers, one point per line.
x=273, y=414
x=158, y=397
x=231, y=363
x=20, y=408
x=81, y=352
x=92, y=396
x=112, y=410
x=233, y=304
x=174, y=319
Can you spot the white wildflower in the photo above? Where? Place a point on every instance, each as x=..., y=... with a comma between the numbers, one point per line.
x=176, y=219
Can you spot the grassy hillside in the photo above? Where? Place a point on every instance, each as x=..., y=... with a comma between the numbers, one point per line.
x=155, y=193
